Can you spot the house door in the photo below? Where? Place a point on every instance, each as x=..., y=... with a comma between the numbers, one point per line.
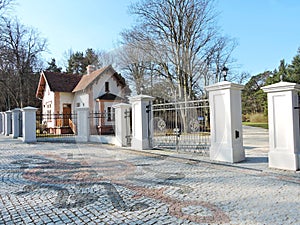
x=66, y=114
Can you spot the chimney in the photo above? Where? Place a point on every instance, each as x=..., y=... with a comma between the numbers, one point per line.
x=90, y=69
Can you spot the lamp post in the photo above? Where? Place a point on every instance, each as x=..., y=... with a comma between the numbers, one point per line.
x=224, y=72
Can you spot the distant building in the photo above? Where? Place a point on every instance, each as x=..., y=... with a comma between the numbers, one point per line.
x=98, y=90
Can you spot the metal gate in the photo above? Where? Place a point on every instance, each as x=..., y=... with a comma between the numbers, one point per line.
x=56, y=127
x=128, y=120
x=182, y=126
x=102, y=123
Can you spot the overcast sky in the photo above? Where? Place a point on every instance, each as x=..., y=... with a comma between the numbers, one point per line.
x=266, y=30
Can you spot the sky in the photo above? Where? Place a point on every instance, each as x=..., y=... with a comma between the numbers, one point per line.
x=266, y=30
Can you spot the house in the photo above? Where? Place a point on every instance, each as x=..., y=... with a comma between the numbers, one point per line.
x=98, y=90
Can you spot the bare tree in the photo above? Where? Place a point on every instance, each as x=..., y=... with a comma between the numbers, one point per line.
x=178, y=33
x=242, y=78
x=181, y=39
x=105, y=58
x=219, y=56
x=4, y=5
x=133, y=60
x=20, y=49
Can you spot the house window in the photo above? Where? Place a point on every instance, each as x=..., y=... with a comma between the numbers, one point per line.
x=78, y=104
x=48, y=111
x=110, y=114
x=106, y=86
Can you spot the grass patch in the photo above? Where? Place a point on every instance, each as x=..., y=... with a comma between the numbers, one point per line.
x=262, y=125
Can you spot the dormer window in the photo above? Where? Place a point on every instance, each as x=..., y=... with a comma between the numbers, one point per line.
x=106, y=86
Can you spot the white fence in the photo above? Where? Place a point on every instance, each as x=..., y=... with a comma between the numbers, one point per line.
x=226, y=138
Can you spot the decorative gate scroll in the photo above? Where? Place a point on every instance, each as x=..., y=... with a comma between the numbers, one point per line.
x=182, y=126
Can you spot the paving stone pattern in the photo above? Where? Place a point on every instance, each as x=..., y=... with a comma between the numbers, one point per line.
x=57, y=183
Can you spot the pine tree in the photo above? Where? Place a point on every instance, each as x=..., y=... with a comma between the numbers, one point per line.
x=294, y=69
x=52, y=67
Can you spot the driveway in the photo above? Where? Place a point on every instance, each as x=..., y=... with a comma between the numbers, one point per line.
x=57, y=183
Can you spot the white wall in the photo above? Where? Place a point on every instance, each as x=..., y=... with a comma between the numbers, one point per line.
x=66, y=98
x=48, y=104
x=80, y=98
x=48, y=99
x=99, y=87
x=98, y=90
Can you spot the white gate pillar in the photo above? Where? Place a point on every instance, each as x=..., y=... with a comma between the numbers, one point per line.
x=29, y=124
x=122, y=123
x=16, y=122
x=8, y=123
x=226, y=122
x=283, y=115
x=1, y=123
x=142, y=128
x=83, y=124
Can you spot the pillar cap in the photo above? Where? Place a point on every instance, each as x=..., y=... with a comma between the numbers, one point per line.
x=16, y=109
x=224, y=85
x=141, y=98
x=121, y=105
x=82, y=108
x=29, y=108
x=281, y=86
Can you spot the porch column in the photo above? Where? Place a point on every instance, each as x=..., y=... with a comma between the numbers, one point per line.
x=8, y=123
x=283, y=115
x=83, y=124
x=226, y=122
x=29, y=124
x=16, y=122
x=122, y=123
x=142, y=122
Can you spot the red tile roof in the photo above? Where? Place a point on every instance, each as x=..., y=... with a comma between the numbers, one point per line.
x=87, y=79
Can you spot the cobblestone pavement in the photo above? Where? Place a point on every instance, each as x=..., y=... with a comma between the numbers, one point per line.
x=57, y=183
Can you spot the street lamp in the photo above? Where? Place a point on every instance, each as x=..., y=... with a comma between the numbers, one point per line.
x=224, y=72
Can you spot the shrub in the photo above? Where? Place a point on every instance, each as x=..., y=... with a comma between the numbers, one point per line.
x=246, y=118
x=258, y=118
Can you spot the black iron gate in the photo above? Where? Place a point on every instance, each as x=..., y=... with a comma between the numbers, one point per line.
x=128, y=119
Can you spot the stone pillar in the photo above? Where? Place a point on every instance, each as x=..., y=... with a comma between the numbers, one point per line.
x=83, y=124
x=8, y=123
x=283, y=115
x=122, y=123
x=142, y=127
x=16, y=122
x=1, y=123
x=226, y=122
x=29, y=124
